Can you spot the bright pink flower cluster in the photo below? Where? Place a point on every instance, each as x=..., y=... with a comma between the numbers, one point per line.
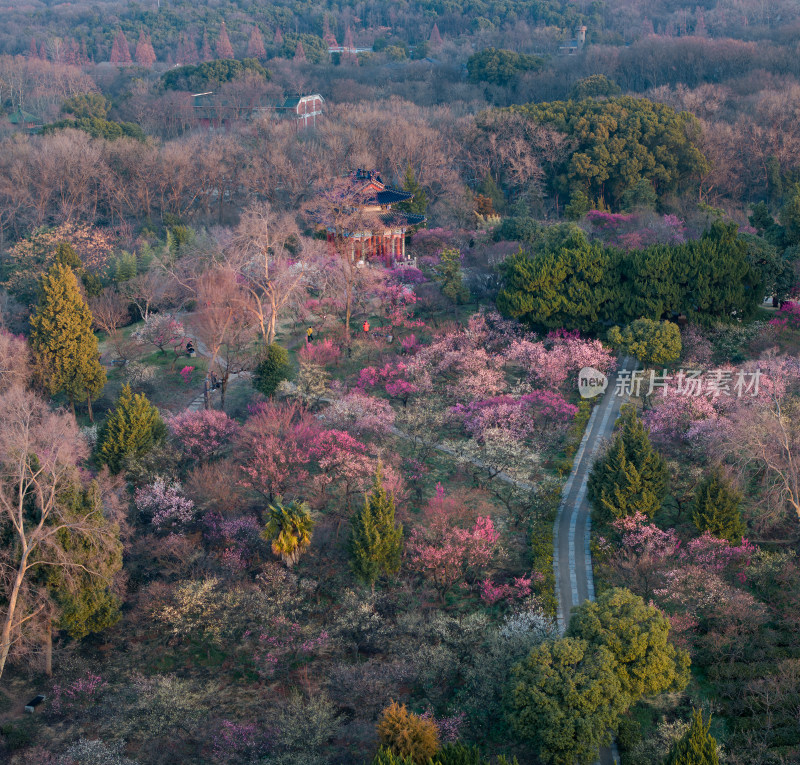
x=393, y=378
x=560, y=356
x=717, y=554
x=201, y=434
x=81, y=693
x=521, y=588
x=644, y=538
x=449, y=727
x=237, y=742
x=323, y=353
x=788, y=316
x=446, y=558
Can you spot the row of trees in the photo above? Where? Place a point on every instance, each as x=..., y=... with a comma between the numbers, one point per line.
x=568, y=282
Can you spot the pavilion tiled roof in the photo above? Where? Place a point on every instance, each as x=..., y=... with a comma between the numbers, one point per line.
x=390, y=196
x=398, y=218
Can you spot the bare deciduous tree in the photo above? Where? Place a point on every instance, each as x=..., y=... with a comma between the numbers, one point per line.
x=109, y=313
x=39, y=454
x=262, y=253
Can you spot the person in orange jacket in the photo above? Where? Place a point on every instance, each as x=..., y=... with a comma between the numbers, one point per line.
x=366, y=326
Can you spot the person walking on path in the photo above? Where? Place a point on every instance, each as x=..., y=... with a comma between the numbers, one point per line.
x=309, y=334
x=366, y=327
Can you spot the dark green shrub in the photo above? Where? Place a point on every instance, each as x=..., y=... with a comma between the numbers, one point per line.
x=272, y=370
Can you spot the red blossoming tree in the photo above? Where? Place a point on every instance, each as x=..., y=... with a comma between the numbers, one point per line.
x=224, y=47
x=120, y=50
x=145, y=55
x=255, y=45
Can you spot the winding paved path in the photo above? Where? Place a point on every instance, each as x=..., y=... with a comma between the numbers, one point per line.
x=572, y=560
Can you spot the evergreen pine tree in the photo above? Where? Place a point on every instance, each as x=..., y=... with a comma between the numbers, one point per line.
x=62, y=338
x=697, y=747
x=66, y=256
x=375, y=541
x=418, y=204
x=451, y=276
x=130, y=430
x=87, y=604
x=631, y=477
x=717, y=508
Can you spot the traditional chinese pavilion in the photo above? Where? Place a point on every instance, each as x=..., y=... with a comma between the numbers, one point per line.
x=387, y=234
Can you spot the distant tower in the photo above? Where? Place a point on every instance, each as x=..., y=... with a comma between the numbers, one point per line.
x=581, y=36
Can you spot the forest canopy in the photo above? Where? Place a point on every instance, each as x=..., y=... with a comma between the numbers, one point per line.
x=618, y=142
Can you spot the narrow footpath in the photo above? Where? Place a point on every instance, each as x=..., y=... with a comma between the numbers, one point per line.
x=572, y=560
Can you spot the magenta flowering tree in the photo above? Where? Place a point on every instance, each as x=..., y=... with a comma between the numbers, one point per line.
x=82, y=693
x=398, y=302
x=186, y=374
x=539, y=412
x=344, y=466
x=238, y=539
x=644, y=555
x=323, y=353
x=555, y=361
x=200, y=435
x=409, y=344
x=392, y=377
x=282, y=644
x=164, y=504
x=449, y=727
x=407, y=275
x=521, y=588
x=447, y=555
x=715, y=554
x=635, y=231
x=674, y=417
x=788, y=316
x=273, y=447
x=238, y=742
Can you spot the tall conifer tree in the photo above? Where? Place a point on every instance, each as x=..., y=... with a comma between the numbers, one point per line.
x=418, y=204
x=224, y=47
x=63, y=341
x=717, y=508
x=132, y=429
x=697, y=747
x=376, y=542
x=631, y=477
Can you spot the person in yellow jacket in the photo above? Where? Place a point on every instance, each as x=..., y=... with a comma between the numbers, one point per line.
x=309, y=334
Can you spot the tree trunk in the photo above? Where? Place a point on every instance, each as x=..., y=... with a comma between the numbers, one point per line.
x=48, y=648
x=223, y=386
x=89, y=404
x=5, y=636
x=348, y=312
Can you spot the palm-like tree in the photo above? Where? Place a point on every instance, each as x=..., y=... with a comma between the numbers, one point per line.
x=289, y=529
